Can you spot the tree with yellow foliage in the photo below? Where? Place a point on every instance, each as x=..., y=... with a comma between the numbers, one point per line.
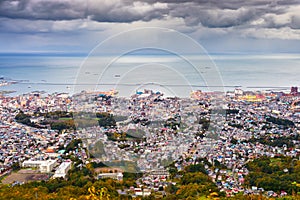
x=101, y=194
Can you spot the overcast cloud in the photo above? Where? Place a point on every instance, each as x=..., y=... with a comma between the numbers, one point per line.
x=201, y=19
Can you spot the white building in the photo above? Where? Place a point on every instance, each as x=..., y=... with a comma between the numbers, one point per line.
x=62, y=170
x=238, y=92
x=117, y=176
x=142, y=192
x=45, y=166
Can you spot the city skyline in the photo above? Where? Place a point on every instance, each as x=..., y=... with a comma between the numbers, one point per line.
x=149, y=99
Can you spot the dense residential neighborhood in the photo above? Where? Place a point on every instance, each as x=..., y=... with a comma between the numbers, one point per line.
x=155, y=146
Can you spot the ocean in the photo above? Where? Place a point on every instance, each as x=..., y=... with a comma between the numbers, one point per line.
x=172, y=75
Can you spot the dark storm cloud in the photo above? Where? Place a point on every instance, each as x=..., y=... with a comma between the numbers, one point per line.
x=207, y=13
x=222, y=14
x=47, y=10
x=212, y=18
x=230, y=13
x=102, y=11
x=231, y=4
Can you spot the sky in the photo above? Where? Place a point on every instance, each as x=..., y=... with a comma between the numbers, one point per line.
x=220, y=26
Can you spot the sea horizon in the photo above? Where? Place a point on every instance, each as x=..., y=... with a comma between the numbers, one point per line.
x=54, y=72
